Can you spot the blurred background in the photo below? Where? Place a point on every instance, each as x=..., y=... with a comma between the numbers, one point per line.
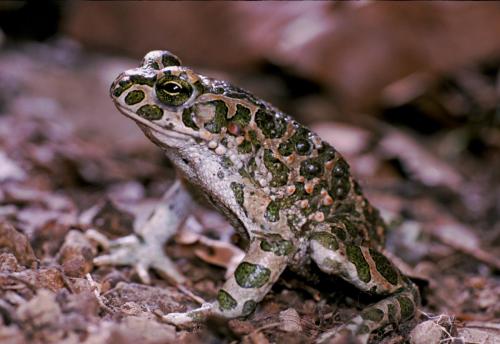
x=408, y=92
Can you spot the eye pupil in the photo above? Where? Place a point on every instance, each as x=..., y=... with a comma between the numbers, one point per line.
x=172, y=87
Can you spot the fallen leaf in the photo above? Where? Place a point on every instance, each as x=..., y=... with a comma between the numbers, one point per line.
x=16, y=243
x=420, y=163
x=478, y=332
x=290, y=320
x=216, y=252
x=41, y=310
x=9, y=170
x=76, y=254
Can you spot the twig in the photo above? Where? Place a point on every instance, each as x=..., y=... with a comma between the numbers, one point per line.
x=97, y=293
x=187, y=292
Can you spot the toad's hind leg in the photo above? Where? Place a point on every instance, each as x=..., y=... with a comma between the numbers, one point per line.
x=251, y=281
x=372, y=272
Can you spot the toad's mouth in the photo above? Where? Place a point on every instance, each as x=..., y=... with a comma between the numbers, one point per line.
x=168, y=133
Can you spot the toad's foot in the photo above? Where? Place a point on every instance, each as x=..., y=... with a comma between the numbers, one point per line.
x=141, y=255
x=193, y=316
x=145, y=249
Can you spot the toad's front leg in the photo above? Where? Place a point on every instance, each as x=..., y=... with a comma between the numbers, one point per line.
x=250, y=282
x=144, y=249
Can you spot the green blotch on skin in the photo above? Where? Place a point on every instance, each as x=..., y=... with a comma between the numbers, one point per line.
x=150, y=112
x=369, y=212
x=238, y=192
x=245, y=147
x=198, y=85
x=384, y=267
x=356, y=257
x=311, y=168
x=271, y=125
x=219, y=120
x=134, y=97
x=374, y=222
x=142, y=80
x=340, y=233
x=253, y=136
x=248, y=307
x=406, y=306
x=244, y=173
x=235, y=94
x=226, y=301
x=187, y=118
x=347, y=208
x=197, y=316
x=285, y=148
x=169, y=60
x=154, y=65
x=414, y=292
x=341, y=169
x=357, y=188
x=250, y=275
x=278, y=169
x=277, y=245
x=298, y=194
x=226, y=162
x=122, y=86
x=300, y=141
x=272, y=212
x=326, y=153
x=303, y=147
x=251, y=168
x=322, y=184
x=363, y=329
x=340, y=187
x=326, y=240
x=253, y=139
x=242, y=116
x=292, y=222
x=351, y=228
x=340, y=181
x=392, y=313
x=217, y=90
x=373, y=314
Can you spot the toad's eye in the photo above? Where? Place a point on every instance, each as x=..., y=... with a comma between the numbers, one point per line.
x=173, y=91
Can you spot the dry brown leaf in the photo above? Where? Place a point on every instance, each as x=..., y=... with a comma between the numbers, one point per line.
x=420, y=163
x=41, y=310
x=212, y=251
x=9, y=169
x=427, y=332
x=17, y=244
x=255, y=338
x=290, y=320
x=148, y=330
x=480, y=332
x=463, y=239
x=76, y=254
